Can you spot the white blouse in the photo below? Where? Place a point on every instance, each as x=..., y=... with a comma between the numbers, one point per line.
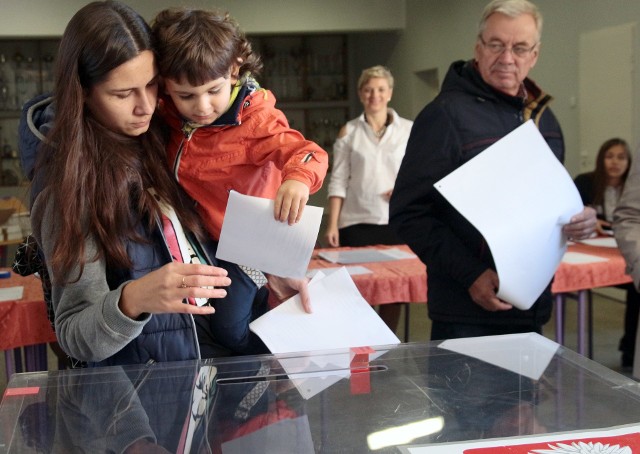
x=364, y=169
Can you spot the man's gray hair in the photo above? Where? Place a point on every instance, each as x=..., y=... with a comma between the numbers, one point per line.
x=511, y=8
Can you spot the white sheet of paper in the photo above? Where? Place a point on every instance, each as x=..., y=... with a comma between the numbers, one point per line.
x=601, y=242
x=365, y=255
x=11, y=293
x=518, y=195
x=341, y=319
x=579, y=257
x=352, y=270
x=251, y=236
x=570, y=442
x=506, y=351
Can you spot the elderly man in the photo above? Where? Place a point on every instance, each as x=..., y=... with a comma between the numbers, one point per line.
x=480, y=102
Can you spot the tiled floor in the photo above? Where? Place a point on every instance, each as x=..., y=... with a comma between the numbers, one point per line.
x=608, y=316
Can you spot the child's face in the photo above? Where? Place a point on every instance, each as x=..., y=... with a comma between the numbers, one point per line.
x=202, y=104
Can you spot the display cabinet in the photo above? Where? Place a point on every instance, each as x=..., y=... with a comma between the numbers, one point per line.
x=309, y=76
x=26, y=70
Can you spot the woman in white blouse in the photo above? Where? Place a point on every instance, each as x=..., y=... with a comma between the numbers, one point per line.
x=366, y=158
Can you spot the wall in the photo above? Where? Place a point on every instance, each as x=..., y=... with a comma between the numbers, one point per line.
x=410, y=36
x=20, y=18
x=441, y=31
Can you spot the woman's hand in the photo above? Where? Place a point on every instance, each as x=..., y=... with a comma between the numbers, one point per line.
x=290, y=201
x=285, y=287
x=164, y=290
x=332, y=236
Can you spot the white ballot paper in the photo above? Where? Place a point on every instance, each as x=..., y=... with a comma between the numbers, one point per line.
x=518, y=195
x=251, y=237
x=607, y=241
x=506, y=351
x=366, y=255
x=341, y=319
x=11, y=293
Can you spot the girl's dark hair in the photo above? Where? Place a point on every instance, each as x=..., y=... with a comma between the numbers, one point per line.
x=99, y=178
x=199, y=46
x=600, y=173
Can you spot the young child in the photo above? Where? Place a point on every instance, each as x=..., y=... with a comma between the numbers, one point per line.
x=225, y=130
x=227, y=134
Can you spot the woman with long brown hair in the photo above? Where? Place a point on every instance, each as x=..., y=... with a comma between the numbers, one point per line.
x=123, y=245
x=601, y=189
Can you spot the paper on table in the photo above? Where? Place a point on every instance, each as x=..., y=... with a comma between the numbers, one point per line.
x=579, y=257
x=251, y=236
x=506, y=351
x=364, y=255
x=601, y=242
x=341, y=319
x=518, y=195
x=352, y=270
x=11, y=293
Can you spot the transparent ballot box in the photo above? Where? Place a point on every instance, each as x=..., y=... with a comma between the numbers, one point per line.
x=409, y=398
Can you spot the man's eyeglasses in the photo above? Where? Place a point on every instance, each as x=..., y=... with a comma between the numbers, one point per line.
x=497, y=48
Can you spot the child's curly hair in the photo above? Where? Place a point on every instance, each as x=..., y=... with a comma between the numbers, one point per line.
x=198, y=46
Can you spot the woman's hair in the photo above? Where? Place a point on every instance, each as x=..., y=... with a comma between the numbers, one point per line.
x=513, y=9
x=374, y=72
x=600, y=176
x=199, y=46
x=97, y=177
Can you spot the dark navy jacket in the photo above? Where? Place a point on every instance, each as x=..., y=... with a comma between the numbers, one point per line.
x=463, y=120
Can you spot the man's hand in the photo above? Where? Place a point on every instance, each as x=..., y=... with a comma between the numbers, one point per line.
x=483, y=292
x=582, y=225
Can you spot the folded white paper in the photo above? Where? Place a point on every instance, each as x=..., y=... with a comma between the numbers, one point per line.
x=527, y=354
x=341, y=319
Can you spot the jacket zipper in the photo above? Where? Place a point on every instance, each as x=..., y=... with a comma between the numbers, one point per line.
x=188, y=133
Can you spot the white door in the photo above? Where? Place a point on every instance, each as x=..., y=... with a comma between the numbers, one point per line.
x=605, y=89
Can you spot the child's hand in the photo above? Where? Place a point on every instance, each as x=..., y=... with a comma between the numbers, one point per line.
x=290, y=201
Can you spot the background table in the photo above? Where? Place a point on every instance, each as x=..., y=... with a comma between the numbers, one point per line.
x=4, y=249
x=577, y=280
x=393, y=281
x=442, y=395
x=24, y=324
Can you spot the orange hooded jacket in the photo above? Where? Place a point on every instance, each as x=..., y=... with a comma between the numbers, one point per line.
x=250, y=149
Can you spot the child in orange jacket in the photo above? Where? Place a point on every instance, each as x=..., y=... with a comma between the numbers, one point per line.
x=225, y=130
x=227, y=134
